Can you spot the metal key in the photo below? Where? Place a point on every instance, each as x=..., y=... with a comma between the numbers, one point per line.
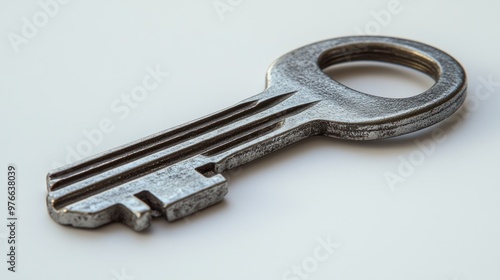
x=177, y=172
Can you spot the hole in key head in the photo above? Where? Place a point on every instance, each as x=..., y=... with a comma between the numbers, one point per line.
x=380, y=70
x=381, y=79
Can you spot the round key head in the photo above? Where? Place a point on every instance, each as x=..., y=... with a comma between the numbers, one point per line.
x=351, y=114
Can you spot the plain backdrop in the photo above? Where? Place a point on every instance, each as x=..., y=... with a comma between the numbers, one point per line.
x=69, y=71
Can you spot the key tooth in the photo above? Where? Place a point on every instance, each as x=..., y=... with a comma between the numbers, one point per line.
x=174, y=173
x=177, y=191
x=91, y=213
x=135, y=213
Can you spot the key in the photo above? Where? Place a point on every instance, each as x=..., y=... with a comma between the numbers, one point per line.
x=179, y=171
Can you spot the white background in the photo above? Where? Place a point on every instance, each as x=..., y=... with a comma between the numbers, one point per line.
x=440, y=222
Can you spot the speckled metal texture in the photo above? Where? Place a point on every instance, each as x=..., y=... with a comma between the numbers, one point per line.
x=177, y=172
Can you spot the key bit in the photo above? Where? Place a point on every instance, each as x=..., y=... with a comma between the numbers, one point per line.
x=177, y=172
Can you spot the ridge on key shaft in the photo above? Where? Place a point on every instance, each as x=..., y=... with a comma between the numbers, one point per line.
x=177, y=172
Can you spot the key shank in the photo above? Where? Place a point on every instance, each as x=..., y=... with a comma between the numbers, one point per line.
x=176, y=172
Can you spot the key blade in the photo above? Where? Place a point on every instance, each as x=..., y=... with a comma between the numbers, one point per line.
x=173, y=173
x=174, y=191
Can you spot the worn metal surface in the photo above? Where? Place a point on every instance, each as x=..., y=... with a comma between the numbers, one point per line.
x=177, y=172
